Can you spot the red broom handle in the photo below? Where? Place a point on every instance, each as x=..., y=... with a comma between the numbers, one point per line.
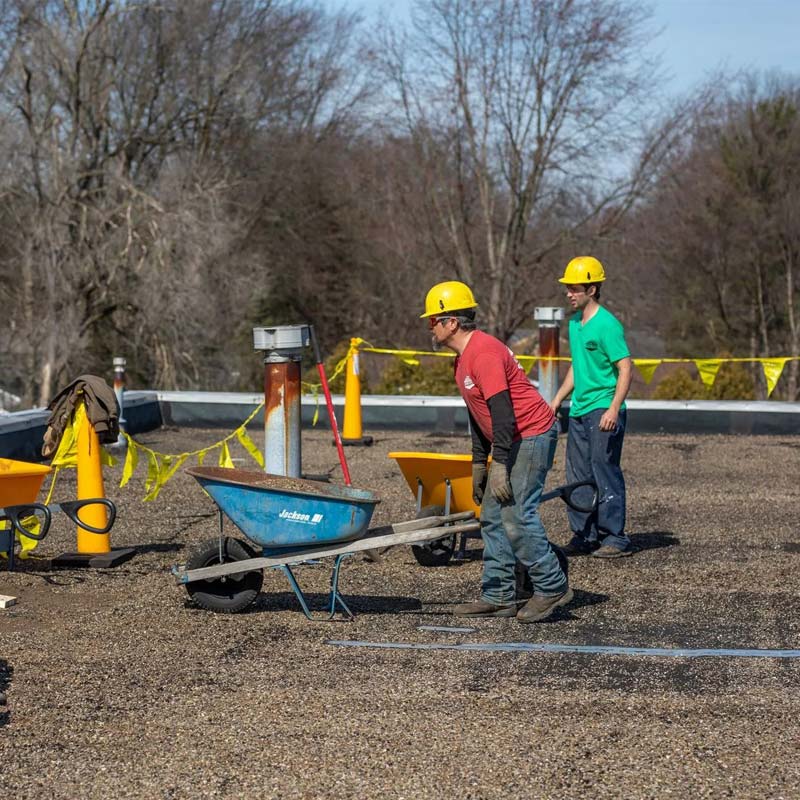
x=331, y=416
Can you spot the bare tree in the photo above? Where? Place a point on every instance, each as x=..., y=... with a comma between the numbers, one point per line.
x=130, y=128
x=723, y=223
x=527, y=122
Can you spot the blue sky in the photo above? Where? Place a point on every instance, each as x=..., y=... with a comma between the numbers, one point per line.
x=697, y=36
x=701, y=35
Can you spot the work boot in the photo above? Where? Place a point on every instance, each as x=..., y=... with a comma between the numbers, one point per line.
x=482, y=609
x=579, y=547
x=609, y=551
x=540, y=607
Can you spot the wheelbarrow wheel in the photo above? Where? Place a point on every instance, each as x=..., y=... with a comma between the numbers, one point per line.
x=438, y=552
x=228, y=594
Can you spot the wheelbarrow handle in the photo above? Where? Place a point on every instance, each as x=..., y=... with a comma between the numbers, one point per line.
x=16, y=514
x=182, y=575
x=432, y=522
x=566, y=492
x=72, y=508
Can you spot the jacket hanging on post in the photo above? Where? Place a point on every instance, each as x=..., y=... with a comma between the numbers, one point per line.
x=101, y=405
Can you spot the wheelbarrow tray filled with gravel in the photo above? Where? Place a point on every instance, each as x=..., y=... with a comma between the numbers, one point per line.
x=288, y=521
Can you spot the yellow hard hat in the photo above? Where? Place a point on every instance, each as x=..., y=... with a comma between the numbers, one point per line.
x=582, y=270
x=448, y=296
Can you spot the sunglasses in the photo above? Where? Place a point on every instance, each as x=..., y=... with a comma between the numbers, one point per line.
x=434, y=321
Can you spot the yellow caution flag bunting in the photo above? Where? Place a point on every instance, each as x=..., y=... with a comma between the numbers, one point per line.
x=171, y=469
x=647, y=367
x=67, y=453
x=708, y=369
x=27, y=544
x=32, y=523
x=160, y=467
x=152, y=470
x=314, y=391
x=250, y=446
x=339, y=368
x=167, y=466
x=527, y=362
x=773, y=367
x=131, y=461
x=52, y=486
x=225, y=459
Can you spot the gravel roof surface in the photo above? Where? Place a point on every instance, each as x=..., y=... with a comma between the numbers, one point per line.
x=116, y=686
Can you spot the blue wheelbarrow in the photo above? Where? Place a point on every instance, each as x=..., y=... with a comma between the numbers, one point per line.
x=289, y=521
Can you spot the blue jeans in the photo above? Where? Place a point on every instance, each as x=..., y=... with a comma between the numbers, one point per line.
x=593, y=454
x=513, y=531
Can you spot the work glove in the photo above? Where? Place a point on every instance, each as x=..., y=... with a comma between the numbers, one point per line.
x=499, y=484
x=478, y=482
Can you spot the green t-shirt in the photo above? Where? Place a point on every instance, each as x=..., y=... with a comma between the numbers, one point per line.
x=596, y=347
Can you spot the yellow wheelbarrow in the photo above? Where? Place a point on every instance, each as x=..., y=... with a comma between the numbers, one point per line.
x=442, y=484
x=439, y=481
x=20, y=482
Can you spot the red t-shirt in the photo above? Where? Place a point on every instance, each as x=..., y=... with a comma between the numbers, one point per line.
x=487, y=367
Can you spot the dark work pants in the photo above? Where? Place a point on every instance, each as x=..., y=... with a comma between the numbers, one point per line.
x=593, y=454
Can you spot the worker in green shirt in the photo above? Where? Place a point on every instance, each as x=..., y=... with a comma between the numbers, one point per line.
x=599, y=380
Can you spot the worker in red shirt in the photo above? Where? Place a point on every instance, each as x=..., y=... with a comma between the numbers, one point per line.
x=511, y=419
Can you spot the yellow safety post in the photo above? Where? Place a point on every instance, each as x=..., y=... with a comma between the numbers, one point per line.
x=90, y=485
x=351, y=429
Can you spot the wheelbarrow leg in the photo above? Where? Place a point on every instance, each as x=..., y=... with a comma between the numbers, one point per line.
x=7, y=543
x=461, y=555
x=335, y=597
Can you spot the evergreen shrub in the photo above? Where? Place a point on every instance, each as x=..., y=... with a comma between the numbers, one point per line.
x=433, y=376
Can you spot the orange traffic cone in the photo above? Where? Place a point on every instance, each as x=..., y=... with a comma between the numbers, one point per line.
x=93, y=549
x=90, y=485
x=351, y=429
